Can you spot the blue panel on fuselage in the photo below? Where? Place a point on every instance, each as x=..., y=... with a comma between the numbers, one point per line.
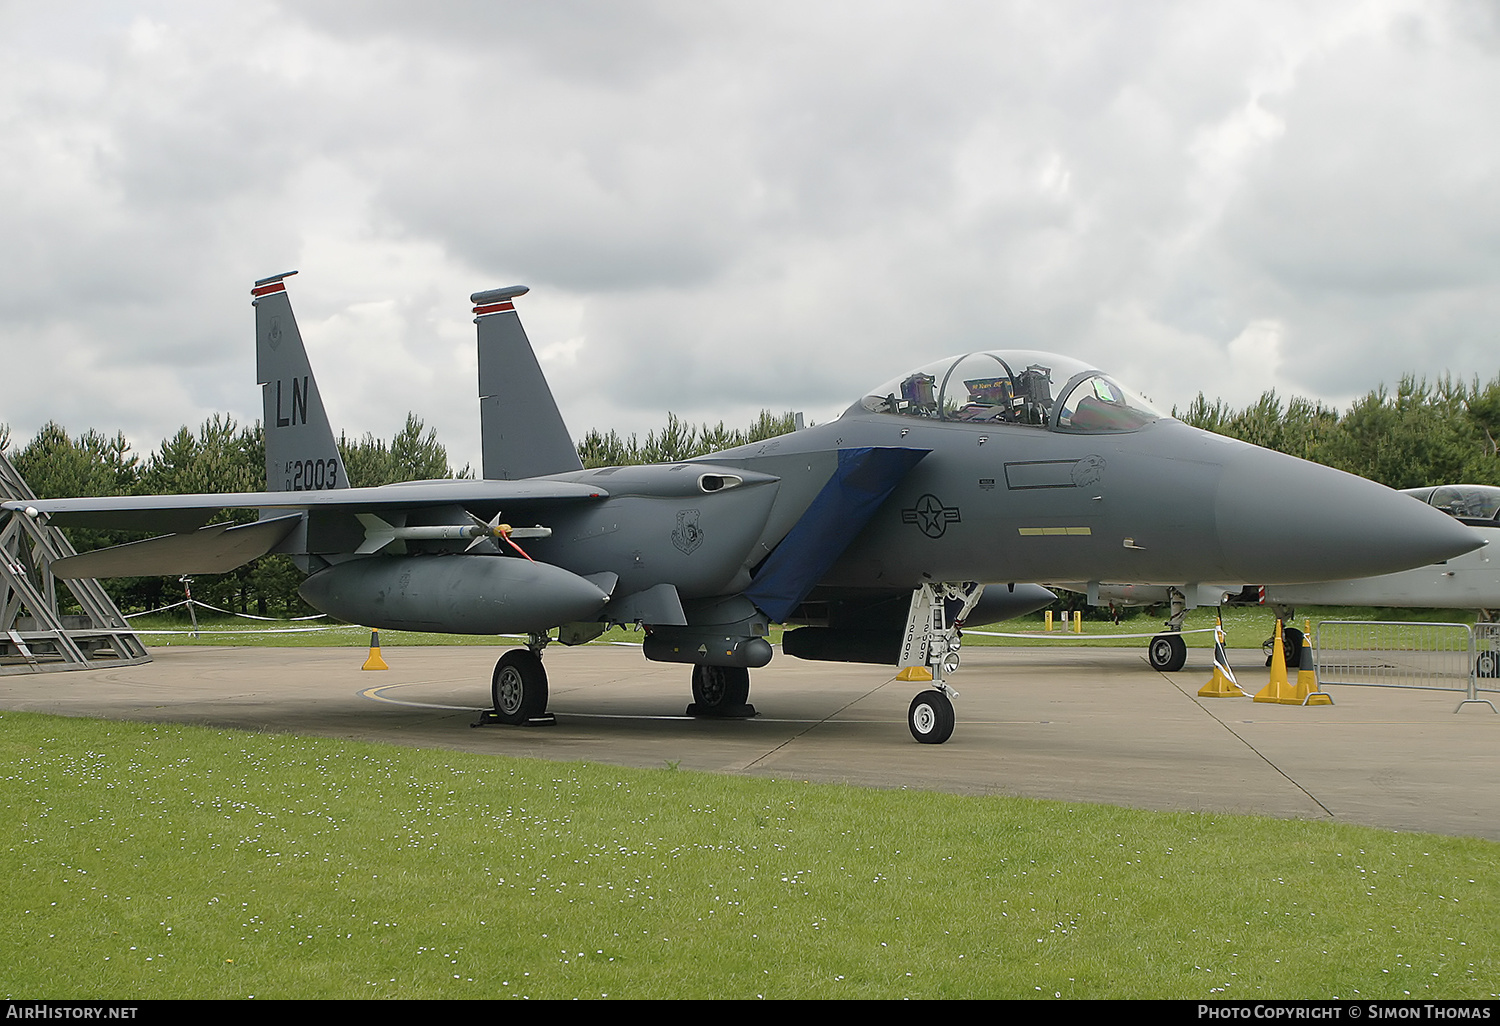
x=864, y=479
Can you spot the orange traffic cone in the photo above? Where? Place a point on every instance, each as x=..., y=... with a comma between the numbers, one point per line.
x=1278, y=689
x=1222, y=684
x=1307, y=679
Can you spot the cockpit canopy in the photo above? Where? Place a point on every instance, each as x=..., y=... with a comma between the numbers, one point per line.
x=1471, y=502
x=1014, y=387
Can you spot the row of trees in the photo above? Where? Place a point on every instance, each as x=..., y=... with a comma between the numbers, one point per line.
x=677, y=441
x=224, y=456
x=1422, y=434
x=221, y=457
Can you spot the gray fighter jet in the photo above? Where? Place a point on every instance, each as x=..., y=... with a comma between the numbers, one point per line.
x=873, y=536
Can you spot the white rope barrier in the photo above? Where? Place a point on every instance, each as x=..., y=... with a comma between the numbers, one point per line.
x=257, y=630
x=252, y=616
x=227, y=612
x=1069, y=635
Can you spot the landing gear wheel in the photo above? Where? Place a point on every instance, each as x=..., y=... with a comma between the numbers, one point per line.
x=722, y=691
x=1291, y=641
x=1487, y=664
x=1291, y=647
x=716, y=687
x=519, y=687
x=1167, y=653
x=931, y=718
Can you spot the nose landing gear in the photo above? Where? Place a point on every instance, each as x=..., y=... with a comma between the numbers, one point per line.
x=1168, y=652
x=929, y=649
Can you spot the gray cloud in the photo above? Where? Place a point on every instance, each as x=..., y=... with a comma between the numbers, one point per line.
x=723, y=208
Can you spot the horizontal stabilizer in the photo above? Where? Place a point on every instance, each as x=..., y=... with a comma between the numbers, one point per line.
x=212, y=550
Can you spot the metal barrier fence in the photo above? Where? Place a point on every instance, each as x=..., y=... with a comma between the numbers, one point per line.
x=1434, y=656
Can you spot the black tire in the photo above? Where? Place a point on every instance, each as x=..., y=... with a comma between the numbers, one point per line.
x=1167, y=653
x=931, y=718
x=519, y=687
x=1487, y=664
x=1292, y=641
x=720, y=689
x=1291, y=647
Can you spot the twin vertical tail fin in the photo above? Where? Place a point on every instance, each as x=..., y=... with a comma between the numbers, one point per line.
x=300, y=451
x=522, y=432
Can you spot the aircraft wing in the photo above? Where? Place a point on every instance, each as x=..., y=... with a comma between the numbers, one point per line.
x=192, y=548
x=181, y=513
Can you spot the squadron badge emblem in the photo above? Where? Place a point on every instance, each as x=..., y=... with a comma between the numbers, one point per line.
x=687, y=536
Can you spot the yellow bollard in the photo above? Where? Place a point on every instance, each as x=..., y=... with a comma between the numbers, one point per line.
x=1077, y=621
x=1049, y=621
x=374, y=662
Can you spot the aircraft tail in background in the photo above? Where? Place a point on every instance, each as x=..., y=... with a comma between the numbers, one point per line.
x=301, y=454
x=521, y=430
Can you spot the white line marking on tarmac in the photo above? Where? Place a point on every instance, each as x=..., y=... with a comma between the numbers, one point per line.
x=374, y=694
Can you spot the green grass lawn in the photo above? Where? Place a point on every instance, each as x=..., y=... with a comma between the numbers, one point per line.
x=158, y=861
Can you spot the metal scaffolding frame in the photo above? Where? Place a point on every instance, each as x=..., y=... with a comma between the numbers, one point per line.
x=35, y=637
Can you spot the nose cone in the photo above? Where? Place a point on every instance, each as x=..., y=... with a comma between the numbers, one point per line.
x=1282, y=520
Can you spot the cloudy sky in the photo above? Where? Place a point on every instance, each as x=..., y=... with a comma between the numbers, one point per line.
x=724, y=207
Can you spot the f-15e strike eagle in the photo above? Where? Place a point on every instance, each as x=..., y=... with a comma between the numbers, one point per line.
x=874, y=536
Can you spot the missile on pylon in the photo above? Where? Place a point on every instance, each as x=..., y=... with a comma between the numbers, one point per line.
x=379, y=534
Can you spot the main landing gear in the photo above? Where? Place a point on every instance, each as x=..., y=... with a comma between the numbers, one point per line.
x=931, y=641
x=1168, y=652
x=518, y=688
x=721, y=692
